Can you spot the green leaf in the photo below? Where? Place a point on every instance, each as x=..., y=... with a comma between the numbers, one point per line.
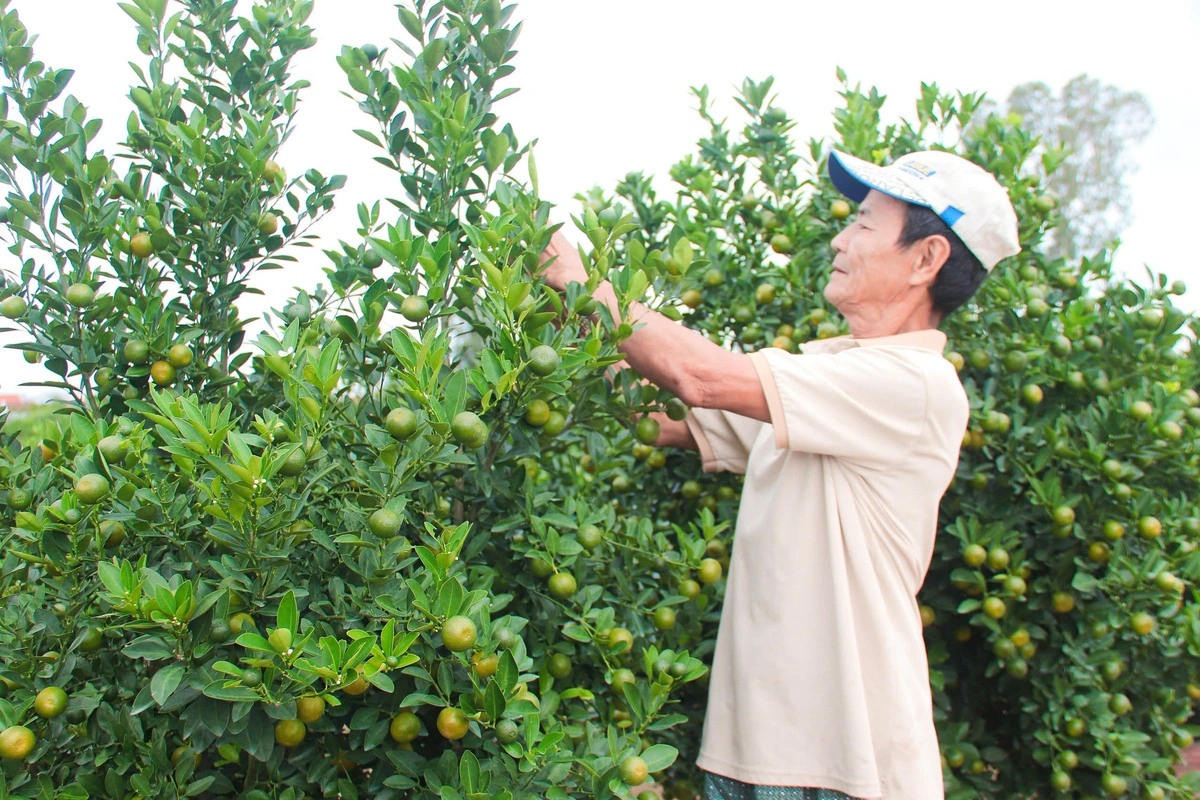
x=148, y=647
x=165, y=682
x=468, y=771
x=660, y=756
x=433, y=53
x=497, y=149
x=533, y=174
x=288, y=616
x=359, y=81
x=493, y=700
x=506, y=672
x=683, y=254
x=217, y=690
x=412, y=24
x=140, y=17
x=637, y=286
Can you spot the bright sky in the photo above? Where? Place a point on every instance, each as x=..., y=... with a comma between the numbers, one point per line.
x=605, y=89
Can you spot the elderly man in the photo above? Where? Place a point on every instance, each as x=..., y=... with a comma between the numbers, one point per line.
x=820, y=685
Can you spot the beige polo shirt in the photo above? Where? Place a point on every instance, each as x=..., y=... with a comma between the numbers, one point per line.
x=819, y=677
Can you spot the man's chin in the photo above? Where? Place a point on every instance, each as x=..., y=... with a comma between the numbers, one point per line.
x=830, y=292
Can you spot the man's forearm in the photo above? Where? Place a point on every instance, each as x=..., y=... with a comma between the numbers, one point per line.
x=662, y=351
x=685, y=363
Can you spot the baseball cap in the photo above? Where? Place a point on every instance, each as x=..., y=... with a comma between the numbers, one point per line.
x=966, y=196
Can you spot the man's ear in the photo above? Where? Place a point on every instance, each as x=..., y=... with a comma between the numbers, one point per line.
x=929, y=256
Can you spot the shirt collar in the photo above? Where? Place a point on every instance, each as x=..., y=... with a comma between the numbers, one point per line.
x=930, y=339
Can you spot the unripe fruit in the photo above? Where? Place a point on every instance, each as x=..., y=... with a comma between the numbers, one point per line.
x=543, y=360
x=141, y=245
x=559, y=666
x=537, y=413
x=162, y=373
x=80, y=295
x=91, y=641
x=268, y=224
x=1149, y=527
x=452, y=723
x=998, y=558
x=50, y=702
x=112, y=448
x=664, y=618
x=414, y=308
x=280, y=640
x=974, y=555
x=839, y=209
x=16, y=743
x=458, y=634
x=310, y=709
x=1063, y=516
x=468, y=429
x=590, y=537
x=485, y=666
x=562, y=585
x=710, y=571
x=136, y=351
x=289, y=732
x=179, y=356
x=507, y=731
x=994, y=607
x=405, y=727
x=619, y=636
x=13, y=307
x=647, y=430
x=294, y=464
x=401, y=423
x=385, y=523
x=91, y=488
x=1142, y=623
x=634, y=771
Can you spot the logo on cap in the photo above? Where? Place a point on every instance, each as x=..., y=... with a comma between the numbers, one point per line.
x=917, y=169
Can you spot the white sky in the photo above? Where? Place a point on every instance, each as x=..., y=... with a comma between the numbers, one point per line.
x=605, y=89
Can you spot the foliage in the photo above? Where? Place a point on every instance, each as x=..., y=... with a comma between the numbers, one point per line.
x=355, y=509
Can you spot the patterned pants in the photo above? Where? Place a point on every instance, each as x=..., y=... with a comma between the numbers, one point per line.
x=718, y=787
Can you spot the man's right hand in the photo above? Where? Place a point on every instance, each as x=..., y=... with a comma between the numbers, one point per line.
x=567, y=266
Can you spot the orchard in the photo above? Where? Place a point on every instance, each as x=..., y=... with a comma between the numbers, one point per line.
x=416, y=540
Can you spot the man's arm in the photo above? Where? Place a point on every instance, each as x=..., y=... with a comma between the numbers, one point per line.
x=685, y=363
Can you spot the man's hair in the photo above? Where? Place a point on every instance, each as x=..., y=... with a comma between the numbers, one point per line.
x=962, y=273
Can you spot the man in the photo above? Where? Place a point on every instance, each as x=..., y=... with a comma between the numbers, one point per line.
x=820, y=686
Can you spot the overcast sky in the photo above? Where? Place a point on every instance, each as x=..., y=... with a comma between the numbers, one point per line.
x=605, y=88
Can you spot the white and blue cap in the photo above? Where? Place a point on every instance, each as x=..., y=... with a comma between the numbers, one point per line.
x=966, y=196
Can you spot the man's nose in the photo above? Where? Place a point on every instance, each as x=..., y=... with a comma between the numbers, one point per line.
x=839, y=241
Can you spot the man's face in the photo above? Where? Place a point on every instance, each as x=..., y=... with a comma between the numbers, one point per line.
x=870, y=270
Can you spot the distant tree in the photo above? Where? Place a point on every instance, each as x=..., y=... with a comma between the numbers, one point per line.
x=1098, y=126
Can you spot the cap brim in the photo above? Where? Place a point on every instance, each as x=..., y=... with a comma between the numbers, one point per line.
x=855, y=177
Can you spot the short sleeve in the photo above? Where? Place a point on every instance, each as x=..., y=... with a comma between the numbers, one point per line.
x=724, y=439
x=865, y=404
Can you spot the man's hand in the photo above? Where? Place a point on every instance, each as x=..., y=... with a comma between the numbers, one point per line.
x=567, y=265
